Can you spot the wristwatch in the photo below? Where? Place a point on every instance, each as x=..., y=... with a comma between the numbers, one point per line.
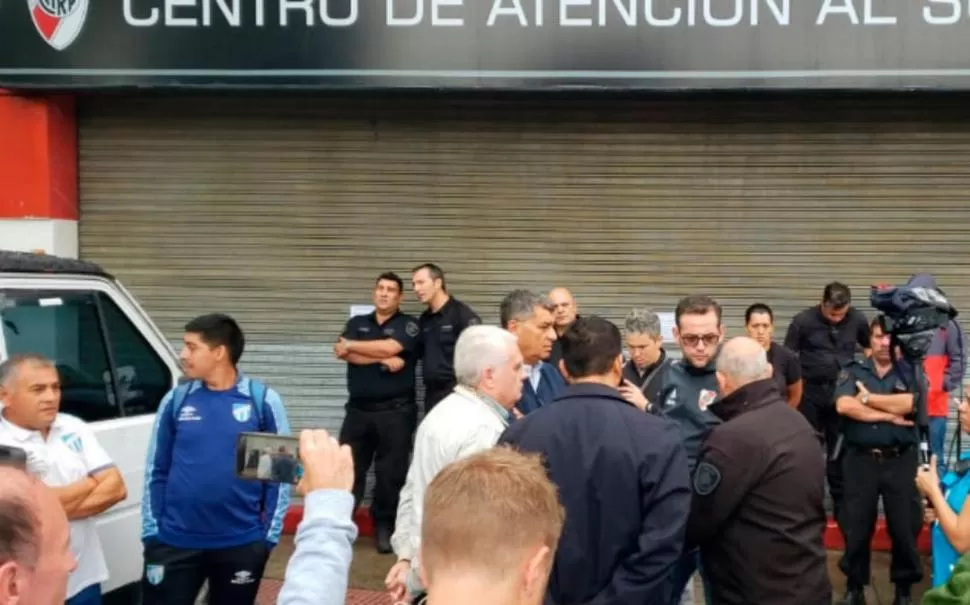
x=865, y=399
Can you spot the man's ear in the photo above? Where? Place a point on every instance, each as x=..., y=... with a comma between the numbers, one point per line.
x=537, y=569
x=13, y=583
x=721, y=382
x=562, y=370
x=512, y=326
x=676, y=333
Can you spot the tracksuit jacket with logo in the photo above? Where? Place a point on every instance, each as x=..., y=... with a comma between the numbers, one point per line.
x=193, y=498
x=684, y=393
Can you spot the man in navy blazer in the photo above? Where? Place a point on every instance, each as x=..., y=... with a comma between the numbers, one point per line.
x=528, y=316
x=622, y=478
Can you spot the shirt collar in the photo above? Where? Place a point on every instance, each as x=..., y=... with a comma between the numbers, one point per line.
x=242, y=385
x=23, y=435
x=534, y=369
x=493, y=405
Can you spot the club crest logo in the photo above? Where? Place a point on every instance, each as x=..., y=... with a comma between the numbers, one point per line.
x=242, y=412
x=154, y=574
x=59, y=22
x=706, y=398
x=73, y=442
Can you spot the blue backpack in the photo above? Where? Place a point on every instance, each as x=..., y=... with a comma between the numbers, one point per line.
x=956, y=488
x=257, y=394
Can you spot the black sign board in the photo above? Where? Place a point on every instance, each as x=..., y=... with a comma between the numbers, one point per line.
x=488, y=44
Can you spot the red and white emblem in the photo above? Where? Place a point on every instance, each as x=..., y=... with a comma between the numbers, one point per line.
x=706, y=398
x=58, y=21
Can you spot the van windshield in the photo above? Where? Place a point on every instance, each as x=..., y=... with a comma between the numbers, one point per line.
x=107, y=369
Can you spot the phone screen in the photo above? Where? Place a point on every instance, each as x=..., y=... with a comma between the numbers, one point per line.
x=13, y=456
x=268, y=457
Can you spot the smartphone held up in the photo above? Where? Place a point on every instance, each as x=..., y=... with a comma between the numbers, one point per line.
x=268, y=457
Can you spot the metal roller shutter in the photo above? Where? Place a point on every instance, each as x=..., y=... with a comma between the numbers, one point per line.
x=281, y=211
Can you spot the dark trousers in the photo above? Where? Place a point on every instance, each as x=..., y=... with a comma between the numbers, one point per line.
x=174, y=576
x=867, y=477
x=818, y=407
x=435, y=392
x=383, y=438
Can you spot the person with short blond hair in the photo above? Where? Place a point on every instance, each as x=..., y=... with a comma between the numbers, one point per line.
x=35, y=558
x=493, y=524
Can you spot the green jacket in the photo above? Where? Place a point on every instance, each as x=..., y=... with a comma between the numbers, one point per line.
x=956, y=591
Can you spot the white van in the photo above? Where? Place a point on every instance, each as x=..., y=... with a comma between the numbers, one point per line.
x=115, y=366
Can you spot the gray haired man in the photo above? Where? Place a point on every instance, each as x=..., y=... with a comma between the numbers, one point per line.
x=488, y=368
x=528, y=316
x=648, y=358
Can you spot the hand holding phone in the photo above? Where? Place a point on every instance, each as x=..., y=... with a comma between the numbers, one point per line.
x=326, y=463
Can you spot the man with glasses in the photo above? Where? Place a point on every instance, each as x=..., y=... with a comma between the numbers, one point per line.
x=825, y=338
x=687, y=388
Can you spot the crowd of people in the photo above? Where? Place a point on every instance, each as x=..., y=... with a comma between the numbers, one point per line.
x=549, y=467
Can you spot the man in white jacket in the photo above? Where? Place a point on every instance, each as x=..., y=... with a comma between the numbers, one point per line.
x=490, y=371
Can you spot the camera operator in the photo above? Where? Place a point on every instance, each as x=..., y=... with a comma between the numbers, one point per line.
x=881, y=457
x=951, y=531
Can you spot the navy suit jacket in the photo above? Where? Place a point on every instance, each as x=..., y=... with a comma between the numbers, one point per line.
x=550, y=386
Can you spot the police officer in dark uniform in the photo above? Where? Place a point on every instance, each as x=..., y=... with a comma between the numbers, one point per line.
x=441, y=324
x=379, y=349
x=881, y=458
x=825, y=338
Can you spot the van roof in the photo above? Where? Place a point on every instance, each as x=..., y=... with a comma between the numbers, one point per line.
x=29, y=262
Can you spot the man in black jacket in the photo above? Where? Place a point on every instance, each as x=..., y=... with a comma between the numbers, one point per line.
x=621, y=474
x=759, y=487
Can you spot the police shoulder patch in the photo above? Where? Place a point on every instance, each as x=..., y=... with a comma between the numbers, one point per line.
x=706, y=479
x=843, y=375
x=474, y=321
x=411, y=329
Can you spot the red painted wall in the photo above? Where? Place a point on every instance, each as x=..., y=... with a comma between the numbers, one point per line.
x=38, y=157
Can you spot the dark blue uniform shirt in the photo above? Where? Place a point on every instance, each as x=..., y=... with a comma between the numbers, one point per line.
x=873, y=434
x=373, y=386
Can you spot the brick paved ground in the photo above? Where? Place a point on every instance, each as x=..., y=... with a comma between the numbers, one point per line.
x=270, y=589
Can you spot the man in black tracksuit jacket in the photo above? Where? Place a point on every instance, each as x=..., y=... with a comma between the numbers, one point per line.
x=758, y=510
x=685, y=389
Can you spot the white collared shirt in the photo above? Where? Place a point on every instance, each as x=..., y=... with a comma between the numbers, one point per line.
x=462, y=424
x=69, y=454
x=534, y=373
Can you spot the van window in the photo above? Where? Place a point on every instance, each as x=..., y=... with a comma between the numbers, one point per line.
x=107, y=369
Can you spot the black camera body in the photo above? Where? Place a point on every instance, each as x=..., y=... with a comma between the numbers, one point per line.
x=913, y=316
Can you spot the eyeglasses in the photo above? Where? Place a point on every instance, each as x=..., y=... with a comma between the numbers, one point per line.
x=692, y=340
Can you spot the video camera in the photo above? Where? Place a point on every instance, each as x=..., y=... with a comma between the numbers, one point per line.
x=913, y=316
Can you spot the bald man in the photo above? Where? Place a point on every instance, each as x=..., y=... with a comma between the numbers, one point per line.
x=563, y=316
x=35, y=560
x=760, y=483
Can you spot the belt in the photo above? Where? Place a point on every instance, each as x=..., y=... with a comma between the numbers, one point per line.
x=882, y=453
